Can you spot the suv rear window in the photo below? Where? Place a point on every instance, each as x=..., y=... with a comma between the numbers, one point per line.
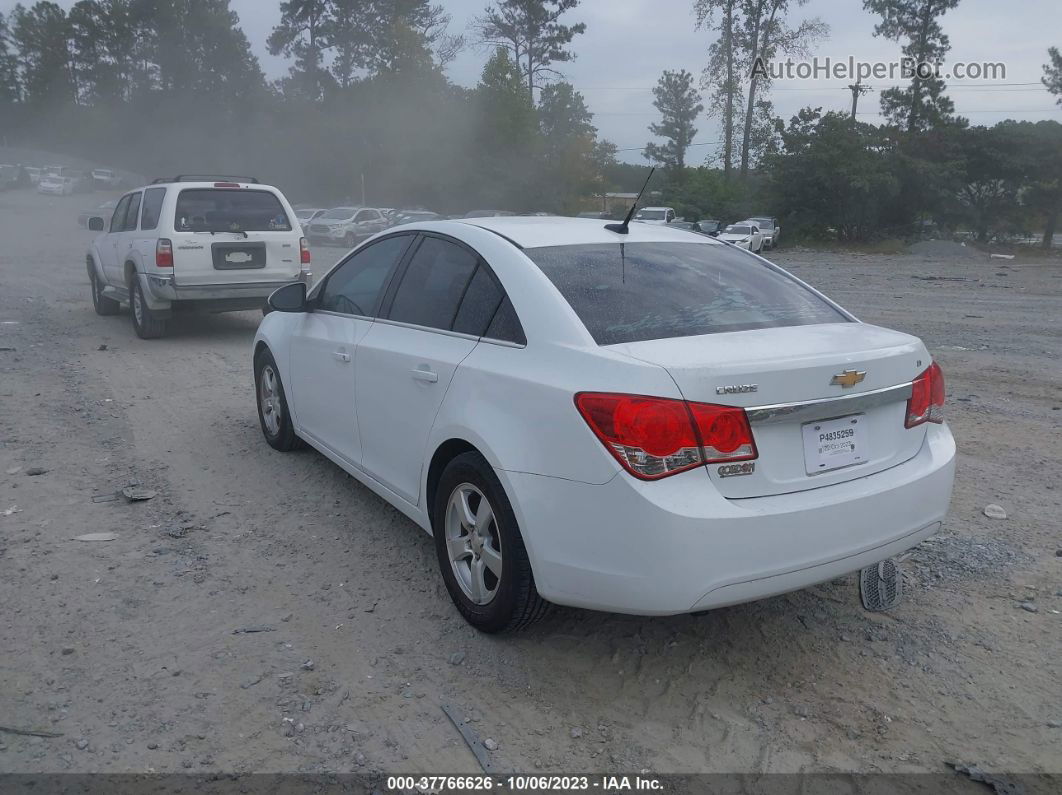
x=229, y=210
x=628, y=292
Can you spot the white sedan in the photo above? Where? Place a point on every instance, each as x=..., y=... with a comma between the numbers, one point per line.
x=651, y=422
x=744, y=236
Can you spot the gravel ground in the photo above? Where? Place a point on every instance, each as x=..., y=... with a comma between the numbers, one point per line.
x=131, y=653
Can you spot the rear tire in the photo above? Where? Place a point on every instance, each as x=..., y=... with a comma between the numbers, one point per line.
x=467, y=490
x=101, y=303
x=273, y=413
x=146, y=323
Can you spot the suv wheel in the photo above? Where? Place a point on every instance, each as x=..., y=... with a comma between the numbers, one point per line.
x=481, y=554
x=273, y=411
x=101, y=303
x=146, y=323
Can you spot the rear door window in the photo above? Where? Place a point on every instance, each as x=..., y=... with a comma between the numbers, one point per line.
x=356, y=286
x=229, y=210
x=152, y=208
x=118, y=218
x=433, y=284
x=480, y=303
x=627, y=292
x=132, y=213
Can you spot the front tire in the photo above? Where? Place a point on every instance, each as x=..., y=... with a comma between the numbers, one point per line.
x=146, y=323
x=273, y=413
x=481, y=553
x=101, y=303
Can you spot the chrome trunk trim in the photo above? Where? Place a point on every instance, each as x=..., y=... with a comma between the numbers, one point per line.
x=824, y=408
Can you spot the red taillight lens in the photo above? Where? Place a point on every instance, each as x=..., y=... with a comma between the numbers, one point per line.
x=926, y=403
x=163, y=253
x=724, y=431
x=656, y=437
x=304, y=251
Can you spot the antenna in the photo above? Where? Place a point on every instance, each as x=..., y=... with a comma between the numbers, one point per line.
x=625, y=227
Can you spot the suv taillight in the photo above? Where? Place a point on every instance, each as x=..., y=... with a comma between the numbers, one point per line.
x=926, y=403
x=656, y=437
x=163, y=253
x=304, y=251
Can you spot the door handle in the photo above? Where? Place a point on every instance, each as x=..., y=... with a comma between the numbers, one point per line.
x=343, y=356
x=424, y=374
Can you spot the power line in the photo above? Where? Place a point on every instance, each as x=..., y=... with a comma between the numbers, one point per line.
x=817, y=88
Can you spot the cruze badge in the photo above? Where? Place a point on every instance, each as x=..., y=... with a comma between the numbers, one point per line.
x=729, y=470
x=848, y=378
x=736, y=389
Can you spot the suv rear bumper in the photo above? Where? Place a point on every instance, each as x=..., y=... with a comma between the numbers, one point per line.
x=162, y=292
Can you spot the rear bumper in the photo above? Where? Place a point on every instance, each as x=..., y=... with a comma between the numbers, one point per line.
x=162, y=292
x=676, y=545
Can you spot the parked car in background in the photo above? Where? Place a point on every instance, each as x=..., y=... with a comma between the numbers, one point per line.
x=345, y=226
x=304, y=215
x=9, y=176
x=743, y=235
x=695, y=429
x=103, y=210
x=56, y=185
x=655, y=215
x=33, y=174
x=695, y=226
x=106, y=178
x=412, y=216
x=594, y=214
x=195, y=243
x=711, y=226
x=768, y=228
x=487, y=213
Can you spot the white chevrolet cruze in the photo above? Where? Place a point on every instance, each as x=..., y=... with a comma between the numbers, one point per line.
x=652, y=422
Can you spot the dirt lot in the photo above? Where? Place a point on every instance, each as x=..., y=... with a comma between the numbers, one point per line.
x=129, y=649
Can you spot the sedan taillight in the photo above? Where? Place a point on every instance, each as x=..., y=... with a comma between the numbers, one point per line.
x=656, y=437
x=926, y=403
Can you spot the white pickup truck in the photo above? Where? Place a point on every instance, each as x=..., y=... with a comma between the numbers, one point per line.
x=198, y=243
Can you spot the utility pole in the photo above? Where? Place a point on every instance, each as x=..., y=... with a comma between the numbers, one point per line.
x=857, y=89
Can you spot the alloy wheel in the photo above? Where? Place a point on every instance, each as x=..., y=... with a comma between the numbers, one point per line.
x=473, y=543
x=269, y=400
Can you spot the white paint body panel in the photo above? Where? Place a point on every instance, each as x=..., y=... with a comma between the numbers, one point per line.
x=596, y=536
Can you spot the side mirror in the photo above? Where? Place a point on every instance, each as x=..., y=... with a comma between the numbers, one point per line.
x=95, y=224
x=289, y=298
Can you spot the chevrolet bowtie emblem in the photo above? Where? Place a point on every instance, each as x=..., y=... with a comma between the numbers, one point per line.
x=848, y=378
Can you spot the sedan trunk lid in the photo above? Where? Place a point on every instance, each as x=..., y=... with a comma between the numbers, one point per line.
x=826, y=402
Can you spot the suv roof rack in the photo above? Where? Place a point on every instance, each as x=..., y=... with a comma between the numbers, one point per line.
x=204, y=178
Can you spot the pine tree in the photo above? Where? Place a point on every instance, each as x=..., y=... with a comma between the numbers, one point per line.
x=679, y=104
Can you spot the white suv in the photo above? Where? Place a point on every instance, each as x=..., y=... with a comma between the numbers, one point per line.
x=194, y=243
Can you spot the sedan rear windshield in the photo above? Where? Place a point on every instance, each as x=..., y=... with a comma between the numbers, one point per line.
x=628, y=292
x=229, y=210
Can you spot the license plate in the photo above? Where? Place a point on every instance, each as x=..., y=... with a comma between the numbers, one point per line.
x=832, y=444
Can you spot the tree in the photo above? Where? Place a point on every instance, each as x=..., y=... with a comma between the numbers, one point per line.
x=1053, y=73
x=572, y=156
x=721, y=76
x=922, y=105
x=299, y=35
x=9, y=82
x=533, y=34
x=1040, y=145
x=41, y=35
x=763, y=35
x=409, y=35
x=679, y=105
x=834, y=174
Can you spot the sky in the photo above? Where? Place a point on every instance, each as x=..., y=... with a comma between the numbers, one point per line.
x=629, y=43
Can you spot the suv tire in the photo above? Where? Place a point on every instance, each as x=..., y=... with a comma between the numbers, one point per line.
x=101, y=303
x=507, y=602
x=146, y=323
